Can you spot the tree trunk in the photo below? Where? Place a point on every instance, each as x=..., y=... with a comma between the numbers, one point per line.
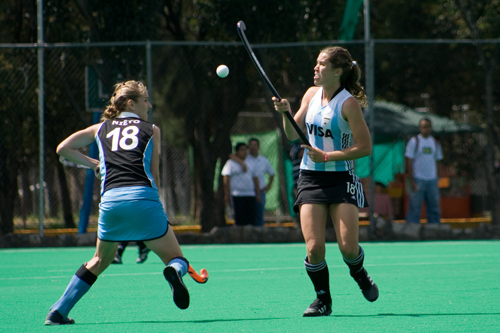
x=67, y=209
x=8, y=194
x=209, y=207
x=492, y=179
x=27, y=196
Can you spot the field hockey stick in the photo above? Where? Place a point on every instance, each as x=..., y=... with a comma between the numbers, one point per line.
x=241, y=31
x=64, y=161
x=200, y=278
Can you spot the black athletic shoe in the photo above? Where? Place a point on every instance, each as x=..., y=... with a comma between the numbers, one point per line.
x=179, y=290
x=366, y=284
x=55, y=318
x=318, y=308
x=143, y=255
x=117, y=260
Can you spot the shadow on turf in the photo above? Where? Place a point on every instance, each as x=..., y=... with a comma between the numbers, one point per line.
x=258, y=319
x=180, y=321
x=418, y=315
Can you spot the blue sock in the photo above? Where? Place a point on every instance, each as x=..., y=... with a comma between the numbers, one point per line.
x=77, y=287
x=180, y=264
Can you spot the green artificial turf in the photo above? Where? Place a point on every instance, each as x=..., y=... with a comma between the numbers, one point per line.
x=424, y=287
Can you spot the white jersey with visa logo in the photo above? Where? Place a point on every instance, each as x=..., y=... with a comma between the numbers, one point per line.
x=328, y=131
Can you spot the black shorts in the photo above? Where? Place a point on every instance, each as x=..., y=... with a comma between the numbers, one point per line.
x=323, y=187
x=244, y=210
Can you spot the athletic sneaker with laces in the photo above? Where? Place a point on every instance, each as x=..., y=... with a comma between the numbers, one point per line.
x=55, y=318
x=179, y=290
x=117, y=260
x=318, y=308
x=143, y=255
x=366, y=284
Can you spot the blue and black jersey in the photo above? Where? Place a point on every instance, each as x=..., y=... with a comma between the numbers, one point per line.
x=125, y=150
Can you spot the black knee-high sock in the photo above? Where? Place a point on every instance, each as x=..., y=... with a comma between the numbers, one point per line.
x=356, y=265
x=121, y=248
x=320, y=277
x=141, y=245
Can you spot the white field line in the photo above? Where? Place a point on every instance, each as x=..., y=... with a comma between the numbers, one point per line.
x=243, y=270
x=300, y=245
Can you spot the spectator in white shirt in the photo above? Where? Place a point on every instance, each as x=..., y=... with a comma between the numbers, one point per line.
x=262, y=167
x=422, y=155
x=241, y=187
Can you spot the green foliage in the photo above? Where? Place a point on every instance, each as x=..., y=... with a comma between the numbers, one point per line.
x=197, y=109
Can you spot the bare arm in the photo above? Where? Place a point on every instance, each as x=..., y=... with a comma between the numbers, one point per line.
x=409, y=173
x=268, y=186
x=69, y=148
x=439, y=168
x=409, y=167
x=256, y=185
x=226, y=190
x=284, y=106
x=155, y=158
x=239, y=161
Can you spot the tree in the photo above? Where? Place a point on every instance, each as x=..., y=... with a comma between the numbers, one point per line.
x=448, y=73
x=209, y=107
x=195, y=109
x=481, y=21
x=202, y=102
x=18, y=123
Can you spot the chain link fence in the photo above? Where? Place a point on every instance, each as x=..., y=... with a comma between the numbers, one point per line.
x=78, y=79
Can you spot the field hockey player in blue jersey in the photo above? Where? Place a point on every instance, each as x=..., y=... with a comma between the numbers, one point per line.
x=330, y=114
x=130, y=208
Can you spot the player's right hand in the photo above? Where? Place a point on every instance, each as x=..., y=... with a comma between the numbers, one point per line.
x=97, y=172
x=281, y=106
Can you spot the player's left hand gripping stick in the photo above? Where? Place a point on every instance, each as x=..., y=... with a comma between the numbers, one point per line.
x=200, y=278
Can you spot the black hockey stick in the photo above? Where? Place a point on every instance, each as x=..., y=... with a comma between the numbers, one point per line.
x=241, y=32
x=64, y=161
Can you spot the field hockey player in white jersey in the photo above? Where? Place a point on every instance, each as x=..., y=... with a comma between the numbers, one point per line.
x=330, y=114
x=130, y=208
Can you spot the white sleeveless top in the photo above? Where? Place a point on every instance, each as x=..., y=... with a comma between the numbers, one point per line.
x=328, y=131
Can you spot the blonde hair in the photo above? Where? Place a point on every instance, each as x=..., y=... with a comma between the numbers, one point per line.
x=123, y=92
x=339, y=57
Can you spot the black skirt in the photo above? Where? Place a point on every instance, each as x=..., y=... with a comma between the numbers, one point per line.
x=323, y=187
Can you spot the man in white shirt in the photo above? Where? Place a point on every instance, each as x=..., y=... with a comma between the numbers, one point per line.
x=422, y=155
x=262, y=167
x=241, y=187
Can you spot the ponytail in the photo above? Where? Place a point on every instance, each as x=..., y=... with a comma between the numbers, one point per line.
x=352, y=85
x=110, y=113
x=123, y=92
